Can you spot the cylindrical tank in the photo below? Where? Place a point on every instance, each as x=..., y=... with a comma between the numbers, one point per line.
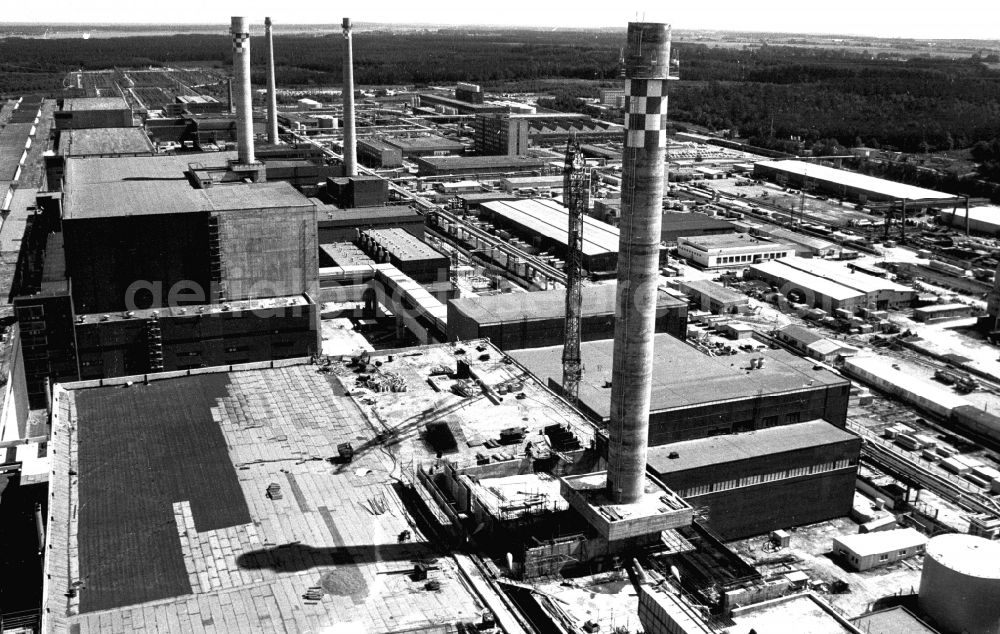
x=960, y=583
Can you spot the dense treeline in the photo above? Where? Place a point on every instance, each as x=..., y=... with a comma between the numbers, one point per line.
x=785, y=98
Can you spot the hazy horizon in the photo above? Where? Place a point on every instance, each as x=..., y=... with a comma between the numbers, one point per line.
x=891, y=19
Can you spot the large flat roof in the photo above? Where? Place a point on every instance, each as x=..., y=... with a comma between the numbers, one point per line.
x=714, y=290
x=715, y=450
x=682, y=376
x=103, y=141
x=845, y=276
x=878, y=186
x=95, y=103
x=550, y=219
x=807, y=281
x=136, y=186
x=429, y=142
x=739, y=241
x=171, y=523
x=690, y=221
x=476, y=162
x=543, y=305
x=403, y=244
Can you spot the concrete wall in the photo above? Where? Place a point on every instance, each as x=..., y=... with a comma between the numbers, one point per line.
x=14, y=411
x=725, y=417
x=269, y=252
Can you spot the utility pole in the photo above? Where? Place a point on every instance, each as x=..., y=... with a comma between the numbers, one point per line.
x=576, y=194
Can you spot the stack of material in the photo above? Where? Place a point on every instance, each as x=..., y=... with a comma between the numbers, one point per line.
x=274, y=491
x=385, y=381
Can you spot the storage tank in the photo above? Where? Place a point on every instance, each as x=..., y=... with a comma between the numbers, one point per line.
x=960, y=583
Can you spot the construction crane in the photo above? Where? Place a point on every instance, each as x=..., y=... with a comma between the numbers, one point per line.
x=576, y=196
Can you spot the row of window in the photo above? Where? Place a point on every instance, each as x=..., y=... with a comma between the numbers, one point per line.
x=734, y=259
x=761, y=478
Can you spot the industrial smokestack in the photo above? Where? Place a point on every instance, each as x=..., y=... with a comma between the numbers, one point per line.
x=272, y=96
x=647, y=60
x=244, y=104
x=350, y=144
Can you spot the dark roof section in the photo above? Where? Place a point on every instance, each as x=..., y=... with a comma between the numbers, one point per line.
x=674, y=222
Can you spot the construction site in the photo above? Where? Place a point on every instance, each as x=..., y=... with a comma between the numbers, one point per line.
x=449, y=362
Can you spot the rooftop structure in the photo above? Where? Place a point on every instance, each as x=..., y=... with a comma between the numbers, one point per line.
x=809, y=613
x=459, y=165
x=894, y=620
x=340, y=225
x=549, y=220
x=695, y=395
x=278, y=522
x=406, y=252
x=844, y=183
x=527, y=320
x=104, y=142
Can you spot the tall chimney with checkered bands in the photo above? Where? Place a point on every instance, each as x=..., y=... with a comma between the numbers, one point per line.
x=240, y=31
x=647, y=59
x=350, y=144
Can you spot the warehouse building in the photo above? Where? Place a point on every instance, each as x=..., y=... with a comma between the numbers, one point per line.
x=864, y=551
x=545, y=223
x=730, y=251
x=844, y=184
x=424, y=145
x=809, y=344
x=516, y=183
x=755, y=482
x=477, y=165
x=822, y=283
x=715, y=298
x=459, y=106
x=376, y=153
x=984, y=220
x=697, y=396
x=533, y=320
x=407, y=253
x=345, y=225
x=93, y=112
x=675, y=225
x=805, y=246
x=805, y=288
x=941, y=312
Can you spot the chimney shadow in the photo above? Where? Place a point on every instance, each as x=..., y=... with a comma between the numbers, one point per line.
x=296, y=557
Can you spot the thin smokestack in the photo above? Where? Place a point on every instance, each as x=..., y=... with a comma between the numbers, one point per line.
x=244, y=104
x=647, y=60
x=272, y=93
x=350, y=144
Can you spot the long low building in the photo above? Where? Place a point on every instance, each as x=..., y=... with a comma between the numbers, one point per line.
x=468, y=165
x=531, y=320
x=722, y=251
x=980, y=219
x=927, y=395
x=713, y=297
x=695, y=396
x=843, y=183
x=830, y=285
x=755, y=482
x=346, y=225
x=547, y=221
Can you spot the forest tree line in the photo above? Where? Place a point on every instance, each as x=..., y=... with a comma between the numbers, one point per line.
x=783, y=98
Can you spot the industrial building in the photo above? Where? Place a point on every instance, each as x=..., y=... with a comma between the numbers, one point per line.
x=500, y=134
x=357, y=191
x=379, y=154
x=755, y=482
x=830, y=285
x=805, y=246
x=93, y=112
x=533, y=320
x=459, y=106
x=544, y=223
x=941, y=312
x=730, y=251
x=424, y=145
x=697, y=396
x=809, y=344
x=477, y=165
x=471, y=93
x=714, y=297
x=345, y=225
x=675, y=225
x=864, y=551
x=844, y=184
x=406, y=252
x=982, y=220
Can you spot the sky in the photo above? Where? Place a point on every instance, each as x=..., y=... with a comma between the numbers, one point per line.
x=973, y=19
